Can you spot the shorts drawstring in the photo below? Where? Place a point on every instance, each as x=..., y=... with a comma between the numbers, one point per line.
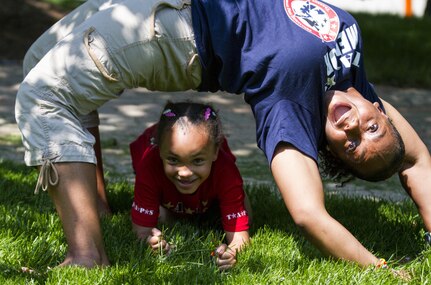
x=48, y=175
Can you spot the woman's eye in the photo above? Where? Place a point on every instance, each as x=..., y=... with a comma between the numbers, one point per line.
x=351, y=147
x=373, y=128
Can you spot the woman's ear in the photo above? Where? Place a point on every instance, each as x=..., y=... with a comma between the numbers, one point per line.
x=377, y=105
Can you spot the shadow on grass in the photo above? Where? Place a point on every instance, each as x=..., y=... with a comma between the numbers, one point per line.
x=390, y=230
x=11, y=275
x=17, y=183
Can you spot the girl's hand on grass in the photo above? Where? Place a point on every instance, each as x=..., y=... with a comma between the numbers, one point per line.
x=225, y=257
x=156, y=241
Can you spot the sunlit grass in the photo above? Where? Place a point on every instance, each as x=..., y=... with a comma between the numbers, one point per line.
x=10, y=140
x=31, y=237
x=396, y=50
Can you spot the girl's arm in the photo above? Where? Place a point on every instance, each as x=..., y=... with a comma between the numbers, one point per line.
x=226, y=253
x=415, y=176
x=153, y=237
x=298, y=179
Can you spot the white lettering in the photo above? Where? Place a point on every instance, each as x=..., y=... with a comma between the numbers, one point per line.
x=142, y=210
x=344, y=54
x=352, y=34
x=236, y=215
x=343, y=45
x=333, y=59
x=345, y=60
x=329, y=69
x=356, y=59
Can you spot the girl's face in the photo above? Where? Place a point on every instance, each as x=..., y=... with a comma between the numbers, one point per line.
x=357, y=130
x=187, y=153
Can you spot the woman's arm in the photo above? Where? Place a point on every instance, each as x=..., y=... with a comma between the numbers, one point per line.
x=415, y=175
x=298, y=179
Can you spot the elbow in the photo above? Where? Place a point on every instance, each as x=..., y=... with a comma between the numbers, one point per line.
x=306, y=219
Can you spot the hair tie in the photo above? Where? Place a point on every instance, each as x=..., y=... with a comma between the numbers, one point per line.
x=168, y=113
x=208, y=113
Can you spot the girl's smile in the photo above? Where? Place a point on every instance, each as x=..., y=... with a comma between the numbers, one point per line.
x=187, y=153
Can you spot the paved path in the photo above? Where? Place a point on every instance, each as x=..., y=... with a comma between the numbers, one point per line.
x=123, y=119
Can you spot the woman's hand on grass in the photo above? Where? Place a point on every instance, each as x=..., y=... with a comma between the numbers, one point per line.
x=402, y=274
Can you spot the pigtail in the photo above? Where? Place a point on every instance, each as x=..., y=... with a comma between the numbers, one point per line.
x=208, y=113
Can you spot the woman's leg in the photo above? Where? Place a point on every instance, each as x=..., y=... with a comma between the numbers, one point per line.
x=75, y=199
x=77, y=76
x=102, y=199
x=44, y=44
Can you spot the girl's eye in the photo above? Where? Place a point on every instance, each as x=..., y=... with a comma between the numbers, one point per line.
x=373, y=128
x=351, y=147
x=198, y=161
x=172, y=160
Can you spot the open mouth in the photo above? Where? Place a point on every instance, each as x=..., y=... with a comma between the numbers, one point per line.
x=339, y=112
x=186, y=186
x=186, y=183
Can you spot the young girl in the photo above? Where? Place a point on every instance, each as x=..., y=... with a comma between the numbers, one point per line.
x=183, y=167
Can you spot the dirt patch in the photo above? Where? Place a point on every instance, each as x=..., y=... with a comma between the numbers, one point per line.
x=22, y=22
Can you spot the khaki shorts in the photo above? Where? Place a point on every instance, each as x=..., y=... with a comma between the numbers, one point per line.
x=133, y=43
x=56, y=33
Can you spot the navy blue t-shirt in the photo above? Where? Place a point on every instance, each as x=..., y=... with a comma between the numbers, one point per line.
x=283, y=55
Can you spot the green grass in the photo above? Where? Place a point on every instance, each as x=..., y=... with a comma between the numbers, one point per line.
x=397, y=50
x=10, y=140
x=31, y=236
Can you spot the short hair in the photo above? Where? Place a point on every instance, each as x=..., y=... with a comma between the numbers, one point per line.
x=334, y=168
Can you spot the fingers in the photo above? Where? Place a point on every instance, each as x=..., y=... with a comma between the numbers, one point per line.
x=157, y=242
x=225, y=257
x=156, y=232
x=402, y=274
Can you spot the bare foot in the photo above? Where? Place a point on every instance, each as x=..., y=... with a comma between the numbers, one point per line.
x=83, y=261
